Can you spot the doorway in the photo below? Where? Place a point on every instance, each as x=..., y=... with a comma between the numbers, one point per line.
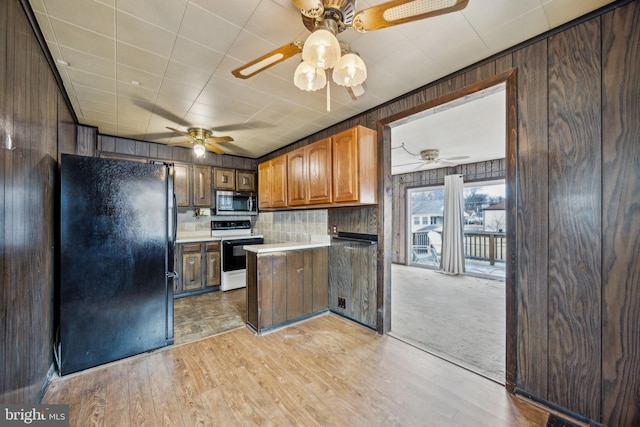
x=392, y=202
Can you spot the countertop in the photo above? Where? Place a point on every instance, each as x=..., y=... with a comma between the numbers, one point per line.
x=197, y=236
x=288, y=246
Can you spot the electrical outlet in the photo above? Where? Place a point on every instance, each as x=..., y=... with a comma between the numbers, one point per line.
x=334, y=229
x=342, y=302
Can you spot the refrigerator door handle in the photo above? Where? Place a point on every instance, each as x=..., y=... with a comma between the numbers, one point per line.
x=175, y=218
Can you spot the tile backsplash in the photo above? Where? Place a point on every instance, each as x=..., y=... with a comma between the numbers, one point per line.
x=276, y=227
x=291, y=226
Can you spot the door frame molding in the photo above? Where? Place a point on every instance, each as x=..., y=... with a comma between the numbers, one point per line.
x=385, y=209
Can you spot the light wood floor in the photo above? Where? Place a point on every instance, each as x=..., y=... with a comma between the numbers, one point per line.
x=326, y=371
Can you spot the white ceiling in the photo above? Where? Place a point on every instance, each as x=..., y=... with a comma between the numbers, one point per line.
x=182, y=52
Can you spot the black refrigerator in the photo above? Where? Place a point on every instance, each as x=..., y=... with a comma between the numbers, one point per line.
x=117, y=237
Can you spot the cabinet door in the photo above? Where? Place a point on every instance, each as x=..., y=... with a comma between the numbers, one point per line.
x=296, y=177
x=345, y=167
x=201, y=185
x=181, y=183
x=191, y=271
x=245, y=181
x=318, y=171
x=212, y=269
x=224, y=179
x=264, y=185
x=279, y=182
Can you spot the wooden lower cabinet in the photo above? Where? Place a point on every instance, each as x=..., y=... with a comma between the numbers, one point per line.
x=353, y=280
x=198, y=267
x=283, y=287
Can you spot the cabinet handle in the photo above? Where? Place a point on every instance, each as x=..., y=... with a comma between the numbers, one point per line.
x=300, y=270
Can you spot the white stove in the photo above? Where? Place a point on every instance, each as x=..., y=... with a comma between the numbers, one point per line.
x=234, y=235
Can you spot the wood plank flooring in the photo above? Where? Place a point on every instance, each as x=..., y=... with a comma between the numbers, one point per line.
x=325, y=371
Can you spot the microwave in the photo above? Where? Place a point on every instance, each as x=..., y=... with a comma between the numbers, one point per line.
x=236, y=203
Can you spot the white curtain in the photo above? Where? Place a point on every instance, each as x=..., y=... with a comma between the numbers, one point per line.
x=452, y=257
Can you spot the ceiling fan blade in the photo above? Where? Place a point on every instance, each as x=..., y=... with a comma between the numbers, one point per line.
x=219, y=139
x=181, y=132
x=397, y=12
x=446, y=159
x=180, y=143
x=213, y=148
x=269, y=60
x=310, y=8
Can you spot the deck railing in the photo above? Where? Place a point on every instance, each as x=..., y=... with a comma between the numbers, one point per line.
x=478, y=245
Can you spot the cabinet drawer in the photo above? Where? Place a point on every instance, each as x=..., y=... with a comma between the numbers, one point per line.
x=191, y=247
x=213, y=246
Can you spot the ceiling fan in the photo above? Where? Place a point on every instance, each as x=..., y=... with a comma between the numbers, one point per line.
x=430, y=156
x=322, y=51
x=202, y=140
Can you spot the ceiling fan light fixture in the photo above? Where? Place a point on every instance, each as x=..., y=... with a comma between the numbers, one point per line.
x=322, y=49
x=309, y=78
x=350, y=70
x=198, y=149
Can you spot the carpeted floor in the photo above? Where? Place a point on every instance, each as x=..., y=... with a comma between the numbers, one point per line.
x=459, y=318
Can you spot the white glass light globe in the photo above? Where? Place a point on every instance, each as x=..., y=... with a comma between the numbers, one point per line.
x=350, y=71
x=309, y=78
x=321, y=49
x=199, y=149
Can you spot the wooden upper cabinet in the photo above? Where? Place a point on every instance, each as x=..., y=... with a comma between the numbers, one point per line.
x=279, y=182
x=245, y=181
x=201, y=185
x=355, y=166
x=224, y=179
x=296, y=177
x=318, y=171
x=272, y=183
x=181, y=184
x=309, y=174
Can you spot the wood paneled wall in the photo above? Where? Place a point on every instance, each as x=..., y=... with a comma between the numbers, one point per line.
x=483, y=171
x=93, y=143
x=575, y=187
x=31, y=111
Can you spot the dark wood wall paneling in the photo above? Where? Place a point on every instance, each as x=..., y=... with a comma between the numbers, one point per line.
x=575, y=219
x=621, y=216
x=149, y=150
x=473, y=172
x=29, y=101
x=577, y=215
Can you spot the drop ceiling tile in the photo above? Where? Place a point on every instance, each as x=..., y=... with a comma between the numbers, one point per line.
x=235, y=12
x=274, y=22
x=188, y=76
x=83, y=40
x=172, y=108
x=207, y=29
x=93, y=105
x=143, y=35
x=195, y=55
x=45, y=27
x=88, y=63
x=484, y=19
x=517, y=30
x=136, y=92
x=85, y=92
x=166, y=14
x=141, y=59
x=146, y=80
x=98, y=115
x=93, y=80
x=179, y=90
x=560, y=11
x=75, y=12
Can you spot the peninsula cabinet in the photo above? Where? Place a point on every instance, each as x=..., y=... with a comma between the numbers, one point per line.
x=309, y=174
x=355, y=166
x=272, y=183
x=286, y=286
